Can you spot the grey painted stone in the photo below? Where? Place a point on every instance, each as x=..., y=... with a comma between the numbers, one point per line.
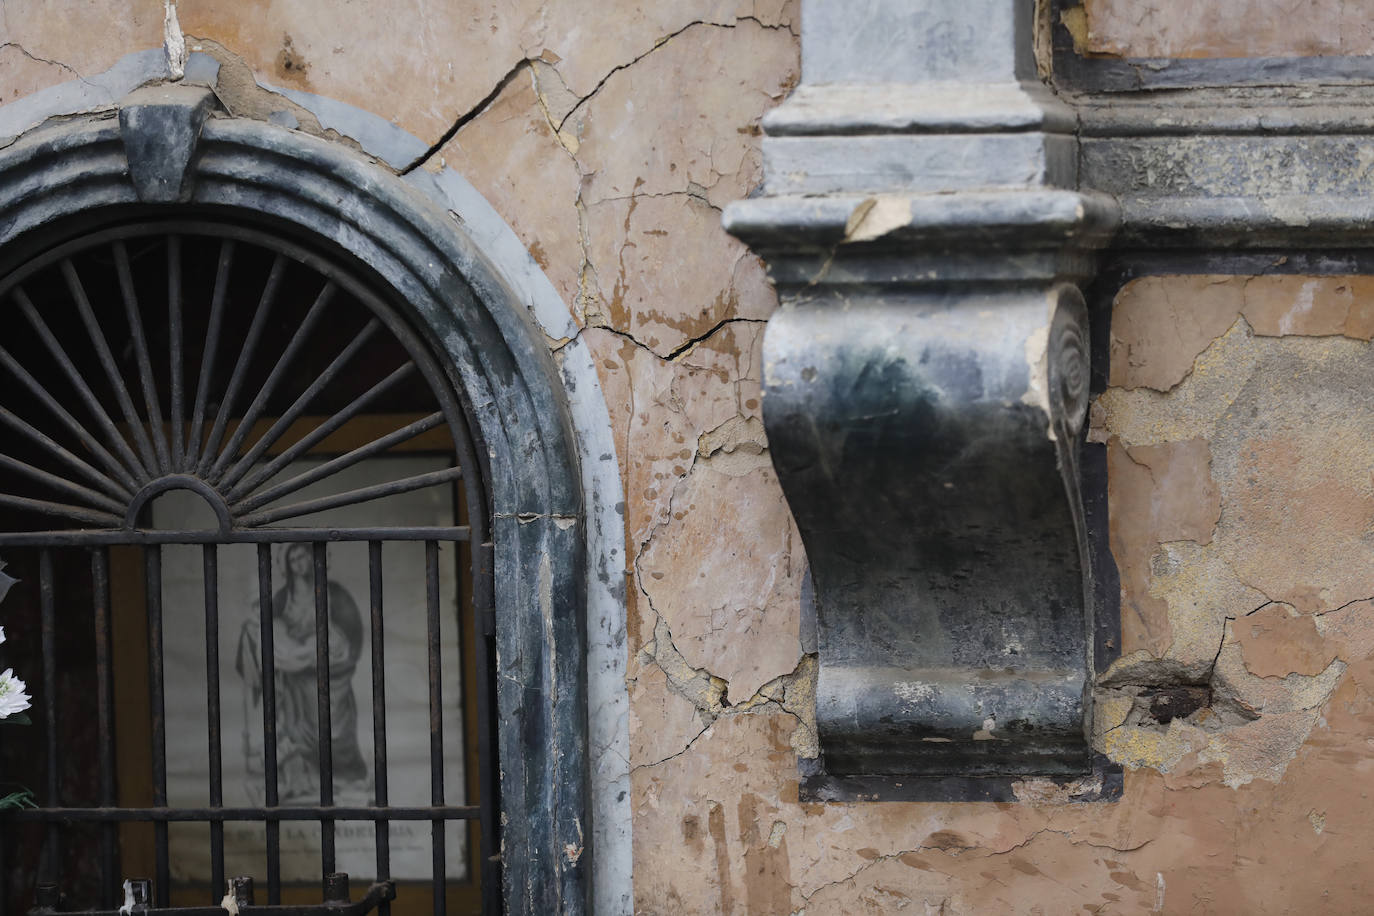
x=160, y=127
x=1049, y=218
x=1254, y=167
x=607, y=699
x=201, y=70
x=850, y=109
x=913, y=41
x=920, y=442
x=376, y=134
x=925, y=383
x=907, y=163
x=1278, y=167
x=924, y=198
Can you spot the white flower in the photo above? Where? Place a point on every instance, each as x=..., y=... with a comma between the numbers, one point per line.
x=2, y=636
x=13, y=699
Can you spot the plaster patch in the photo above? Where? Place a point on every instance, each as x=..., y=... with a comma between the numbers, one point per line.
x=1159, y=494
x=1287, y=423
x=1277, y=641
x=1161, y=324
x=173, y=42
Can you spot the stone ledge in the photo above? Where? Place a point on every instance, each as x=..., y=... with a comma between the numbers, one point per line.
x=1037, y=219
x=847, y=109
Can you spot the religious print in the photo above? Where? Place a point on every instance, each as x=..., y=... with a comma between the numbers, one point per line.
x=295, y=681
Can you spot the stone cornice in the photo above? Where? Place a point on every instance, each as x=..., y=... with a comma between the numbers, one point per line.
x=1234, y=168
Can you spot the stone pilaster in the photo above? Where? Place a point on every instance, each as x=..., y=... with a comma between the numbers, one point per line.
x=925, y=386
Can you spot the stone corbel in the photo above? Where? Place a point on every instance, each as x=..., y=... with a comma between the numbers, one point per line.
x=926, y=380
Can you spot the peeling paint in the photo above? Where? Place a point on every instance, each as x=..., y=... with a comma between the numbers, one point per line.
x=1232, y=617
x=1223, y=28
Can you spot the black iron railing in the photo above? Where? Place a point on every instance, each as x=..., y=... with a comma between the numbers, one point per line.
x=256, y=437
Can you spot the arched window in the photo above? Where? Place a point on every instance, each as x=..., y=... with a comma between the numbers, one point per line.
x=287, y=480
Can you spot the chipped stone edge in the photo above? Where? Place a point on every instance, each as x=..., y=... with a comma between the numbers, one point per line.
x=375, y=134
x=608, y=702
x=81, y=96
x=607, y=694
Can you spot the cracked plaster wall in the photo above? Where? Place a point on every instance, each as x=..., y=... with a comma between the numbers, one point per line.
x=1239, y=460
x=1242, y=504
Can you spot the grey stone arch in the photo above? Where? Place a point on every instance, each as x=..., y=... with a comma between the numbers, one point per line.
x=166, y=150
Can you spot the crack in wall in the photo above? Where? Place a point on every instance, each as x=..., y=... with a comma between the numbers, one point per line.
x=1350, y=603
x=792, y=693
x=67, y=68
x=557, y=125
x=693, y=190
x=945, y=844
x=468, y=116
x=660, y=43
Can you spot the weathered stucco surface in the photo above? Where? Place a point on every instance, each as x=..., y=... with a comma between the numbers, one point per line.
x=1237, y=428
x=43, y=44
x=1240, y=497
x=1221, y=28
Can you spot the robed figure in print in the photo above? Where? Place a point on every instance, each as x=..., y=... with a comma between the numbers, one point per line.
x=293, y=656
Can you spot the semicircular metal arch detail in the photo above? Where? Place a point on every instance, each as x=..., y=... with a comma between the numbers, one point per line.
x=210, y=356
x=471, y=313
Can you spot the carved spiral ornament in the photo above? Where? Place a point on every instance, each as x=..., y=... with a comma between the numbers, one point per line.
x=1069, y=366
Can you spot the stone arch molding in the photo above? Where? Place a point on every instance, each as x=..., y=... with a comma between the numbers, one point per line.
x=542, y=422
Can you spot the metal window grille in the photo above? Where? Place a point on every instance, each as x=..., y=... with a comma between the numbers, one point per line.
x=152, y=359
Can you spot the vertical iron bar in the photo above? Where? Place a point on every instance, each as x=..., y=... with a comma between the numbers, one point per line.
x=326, y=728
x=4, y=867
x=145, y=365
x=51, y=853
x=86, y=395
x=484, y=629
x=266, y=613
x=250, y=344
x=107, y=361
x=436, y=722
x=212, y=717
x=152, y=558
x=174, y=347
x=300, y=337
x=379, y=775
x=104, y=693
x=316, y=435
x=292, y=413
x=208, y=354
